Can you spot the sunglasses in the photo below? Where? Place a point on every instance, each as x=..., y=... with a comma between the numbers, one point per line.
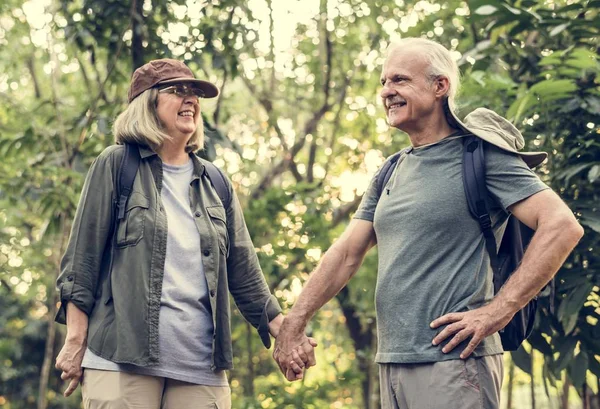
x=183, y=90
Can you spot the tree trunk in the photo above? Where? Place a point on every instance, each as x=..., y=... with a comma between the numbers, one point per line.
x=511, y=381
x=370, y=385
x=363, y=345
x=585, y=396
x=564, y=401
x=48, y=355
x=249, y=381
x=374, y=401
x=137, y=33
x=51, y=333
x=532, y=381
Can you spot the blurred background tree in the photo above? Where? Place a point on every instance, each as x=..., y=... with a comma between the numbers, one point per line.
x=300, y=130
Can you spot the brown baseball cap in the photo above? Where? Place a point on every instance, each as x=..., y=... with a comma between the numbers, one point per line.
x=166, y=71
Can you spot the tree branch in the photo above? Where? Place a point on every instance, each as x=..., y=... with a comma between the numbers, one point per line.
x=344, y=211
x=220, y=99
x=136, y=20
x=36, y=86
x=92, y=110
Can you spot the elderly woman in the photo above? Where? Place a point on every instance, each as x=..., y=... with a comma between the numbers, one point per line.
x=145, y=299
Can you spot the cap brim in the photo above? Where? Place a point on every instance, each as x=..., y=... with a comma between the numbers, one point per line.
x=210, y=89
x=532, y=159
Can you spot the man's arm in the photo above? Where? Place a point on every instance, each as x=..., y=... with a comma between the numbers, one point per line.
x=556, y=234
x=338, y=265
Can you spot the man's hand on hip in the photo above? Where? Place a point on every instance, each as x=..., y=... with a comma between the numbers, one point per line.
x=475, y=324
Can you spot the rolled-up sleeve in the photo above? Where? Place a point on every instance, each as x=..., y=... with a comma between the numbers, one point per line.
x=80, y=265
x=246, y=281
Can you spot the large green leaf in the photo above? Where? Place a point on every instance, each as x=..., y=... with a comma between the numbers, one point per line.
x=522, y=359
x=591, y=219
x=594, y=365
x=486, y=10
x=552, y=87
x=558, y=29
x=566, y=352
x=578, y=368
x=570, y=306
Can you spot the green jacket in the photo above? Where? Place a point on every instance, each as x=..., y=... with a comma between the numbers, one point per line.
x=118, y=285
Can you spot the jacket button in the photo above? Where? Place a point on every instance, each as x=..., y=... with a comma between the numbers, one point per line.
x=206, y=253
x=70, y=278
x=212, y=293
x=197, y=214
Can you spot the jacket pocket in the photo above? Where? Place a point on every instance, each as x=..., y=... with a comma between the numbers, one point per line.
x=131, y=228
x=219, y=221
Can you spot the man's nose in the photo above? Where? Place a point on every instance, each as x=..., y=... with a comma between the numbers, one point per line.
x=387, y=91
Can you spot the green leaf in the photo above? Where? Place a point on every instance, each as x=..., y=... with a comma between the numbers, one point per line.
x=566, y=352
x=582, y=58
x=570, y=7
x=594, y=173
x=552, y=59
x=486, y=10
x=520, y=107
x=568, y=311
x=513, y=10
x=591, y=219
x=594, y=365
x=578, y=368
x=593, y=104
x=569, y=172
x=522, y=359
x=552, y=87
x=558, y=29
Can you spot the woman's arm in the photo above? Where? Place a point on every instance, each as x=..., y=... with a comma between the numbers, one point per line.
x=71, y=355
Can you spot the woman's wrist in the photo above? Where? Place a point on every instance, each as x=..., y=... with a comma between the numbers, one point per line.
x=275, y=324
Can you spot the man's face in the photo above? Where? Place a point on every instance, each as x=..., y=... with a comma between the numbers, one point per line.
x=408, y=93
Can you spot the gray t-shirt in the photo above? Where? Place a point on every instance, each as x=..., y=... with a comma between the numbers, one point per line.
x=185, y=324
x=432, y=255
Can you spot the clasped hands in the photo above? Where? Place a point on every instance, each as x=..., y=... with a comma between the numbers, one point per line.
x=294, y=352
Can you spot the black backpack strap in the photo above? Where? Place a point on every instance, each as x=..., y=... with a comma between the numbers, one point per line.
x=476, y=193
x=130, y=162
x=387, y=169
x=219, y=182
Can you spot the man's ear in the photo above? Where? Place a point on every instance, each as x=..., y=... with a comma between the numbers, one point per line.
x=441, y=85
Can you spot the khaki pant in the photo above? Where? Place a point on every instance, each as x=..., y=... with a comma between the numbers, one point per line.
x=121, y=390
x=473, y=383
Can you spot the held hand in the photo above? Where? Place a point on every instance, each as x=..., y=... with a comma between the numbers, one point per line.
x=475, y=324
x=69, y=361
x=294, y=364
x=294, y=351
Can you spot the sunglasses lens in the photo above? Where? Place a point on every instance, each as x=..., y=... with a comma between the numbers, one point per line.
x=184, y=91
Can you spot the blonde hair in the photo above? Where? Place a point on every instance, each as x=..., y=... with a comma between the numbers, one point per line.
x=139, y=123
x=440, y=61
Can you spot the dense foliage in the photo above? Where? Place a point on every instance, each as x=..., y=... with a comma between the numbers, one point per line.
x=300, y=130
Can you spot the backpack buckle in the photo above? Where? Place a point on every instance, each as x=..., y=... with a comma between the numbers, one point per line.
x=485, y=222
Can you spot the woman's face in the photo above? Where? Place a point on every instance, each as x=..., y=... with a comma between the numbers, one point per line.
x=178, y=109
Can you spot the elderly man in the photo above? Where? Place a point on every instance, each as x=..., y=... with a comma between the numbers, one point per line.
x=438, y=316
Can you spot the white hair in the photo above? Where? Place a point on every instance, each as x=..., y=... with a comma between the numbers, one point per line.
x=440, y=62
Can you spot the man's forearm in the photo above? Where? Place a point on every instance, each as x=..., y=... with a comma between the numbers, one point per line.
x=331, y=275
x=549, y=247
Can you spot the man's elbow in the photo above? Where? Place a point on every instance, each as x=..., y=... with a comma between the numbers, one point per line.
x=569, y=229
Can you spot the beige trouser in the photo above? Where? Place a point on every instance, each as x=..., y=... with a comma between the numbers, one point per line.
x=121, y=390
x=473, y=383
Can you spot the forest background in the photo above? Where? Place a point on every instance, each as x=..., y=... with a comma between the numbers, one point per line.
x=300, y=130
